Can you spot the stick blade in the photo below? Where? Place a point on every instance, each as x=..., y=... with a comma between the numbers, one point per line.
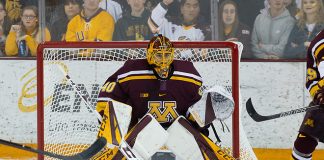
x=96, y=147
x=252, y=112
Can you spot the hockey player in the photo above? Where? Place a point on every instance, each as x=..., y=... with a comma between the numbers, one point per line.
x=164, y=88
x=312, y=128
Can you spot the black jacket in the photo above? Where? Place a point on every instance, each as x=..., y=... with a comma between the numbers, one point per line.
x=133, y=28
x=299, y=36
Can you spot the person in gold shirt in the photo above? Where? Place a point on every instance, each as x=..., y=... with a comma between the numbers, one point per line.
x=92, y=24
x=24, y=38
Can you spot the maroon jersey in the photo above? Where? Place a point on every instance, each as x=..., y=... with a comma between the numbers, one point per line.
x=137, y=85
x=315, y=64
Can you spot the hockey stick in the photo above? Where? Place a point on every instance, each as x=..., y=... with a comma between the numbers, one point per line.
x=99, y=144
x=218, y=141
x=259, y=118
x=124, y=147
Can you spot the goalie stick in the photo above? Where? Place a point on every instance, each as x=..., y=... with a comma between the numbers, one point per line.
x=124, y=147
x=259, y=118
x=99, y=144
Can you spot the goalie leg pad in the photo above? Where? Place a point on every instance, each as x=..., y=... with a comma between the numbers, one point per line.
x=188, y=143
x=149, y=139
x=115, y=122
x=182, y=143
x=147, y=136
x=107, y=153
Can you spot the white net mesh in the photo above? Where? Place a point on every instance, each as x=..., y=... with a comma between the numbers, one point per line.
x=70, y=125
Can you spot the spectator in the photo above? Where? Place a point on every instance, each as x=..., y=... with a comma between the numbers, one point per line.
x=291, y=5
x=231, y=29
x=133, y=26
x=27, y=31
x=71, y=9
x=4, y=29
x=271, y=31
x=13, y=7
x=191, y=25
x=248, y=10
x=14, y=10
x=113, y=8
x=310, y=22
x=92, y=24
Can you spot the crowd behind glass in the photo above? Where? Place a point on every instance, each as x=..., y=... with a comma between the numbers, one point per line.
x=268, y=29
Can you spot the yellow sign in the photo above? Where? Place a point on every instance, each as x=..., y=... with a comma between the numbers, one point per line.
x=29, y=89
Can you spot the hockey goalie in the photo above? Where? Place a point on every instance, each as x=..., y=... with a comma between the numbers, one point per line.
x=158, y=104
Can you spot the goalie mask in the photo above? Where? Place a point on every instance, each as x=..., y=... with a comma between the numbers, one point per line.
x=160, y=54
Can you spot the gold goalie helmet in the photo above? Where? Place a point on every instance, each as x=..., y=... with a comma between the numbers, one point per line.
x=160, y=54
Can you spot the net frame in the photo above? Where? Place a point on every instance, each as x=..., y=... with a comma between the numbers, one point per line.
x=143, y=44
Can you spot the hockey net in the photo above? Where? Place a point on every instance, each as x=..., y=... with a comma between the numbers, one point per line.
x=66, y=121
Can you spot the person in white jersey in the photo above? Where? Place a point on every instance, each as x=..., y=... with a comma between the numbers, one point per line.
x=190, y=26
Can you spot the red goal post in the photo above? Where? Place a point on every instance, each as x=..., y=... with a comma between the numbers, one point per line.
x=229, y=52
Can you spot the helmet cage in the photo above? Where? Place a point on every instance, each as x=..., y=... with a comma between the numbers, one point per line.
x=162, y=58
x=160, y=54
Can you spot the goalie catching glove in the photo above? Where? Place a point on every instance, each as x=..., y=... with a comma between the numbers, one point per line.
x=215, y=103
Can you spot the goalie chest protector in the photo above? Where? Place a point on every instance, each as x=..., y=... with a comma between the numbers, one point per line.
x=136, y=85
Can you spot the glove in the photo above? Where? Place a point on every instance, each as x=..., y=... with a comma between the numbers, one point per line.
x=319, y=96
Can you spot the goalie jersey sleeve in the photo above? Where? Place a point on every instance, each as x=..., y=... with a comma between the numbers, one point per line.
x=136, y=85
x=315, y=64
